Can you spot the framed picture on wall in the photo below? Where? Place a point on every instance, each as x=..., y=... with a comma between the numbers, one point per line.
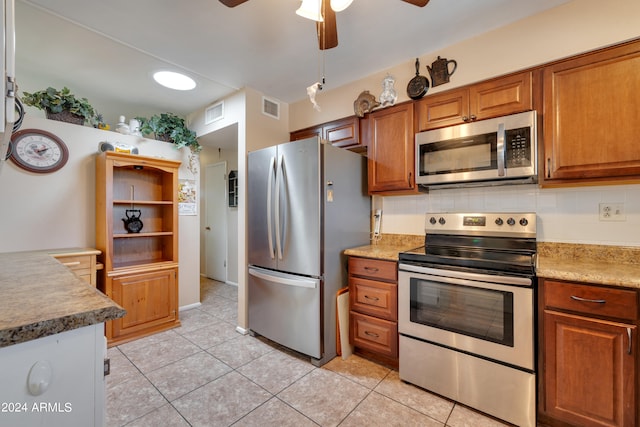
x=187, y=197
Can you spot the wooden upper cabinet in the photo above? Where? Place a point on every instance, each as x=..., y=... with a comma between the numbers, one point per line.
x=591, y=117
x=497, y=97
x=344, y=133
x=306, y=133
x=391, y=150
x=443, y=109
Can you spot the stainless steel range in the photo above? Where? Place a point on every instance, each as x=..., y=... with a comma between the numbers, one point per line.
x=466, y=304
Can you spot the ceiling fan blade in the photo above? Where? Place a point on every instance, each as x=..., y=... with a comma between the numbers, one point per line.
x=327, y=30
x=419, y=3
x=232, y=3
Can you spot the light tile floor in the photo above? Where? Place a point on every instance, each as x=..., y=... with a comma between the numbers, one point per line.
x=204, y=373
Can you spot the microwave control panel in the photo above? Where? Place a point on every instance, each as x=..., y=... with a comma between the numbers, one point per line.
x=518, y=147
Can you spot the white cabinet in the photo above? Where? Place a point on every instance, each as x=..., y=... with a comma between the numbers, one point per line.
x=68, y=368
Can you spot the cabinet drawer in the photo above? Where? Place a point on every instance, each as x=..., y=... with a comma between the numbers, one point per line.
x=378, y=299
x=75, y=262
x=589, y=299
x=374, y=334
x=373, y=268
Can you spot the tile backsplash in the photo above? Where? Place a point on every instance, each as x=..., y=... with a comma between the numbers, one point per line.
x=568, y=215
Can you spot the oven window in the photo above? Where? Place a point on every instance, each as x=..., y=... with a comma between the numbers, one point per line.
x=486, y=314
x=472, y=153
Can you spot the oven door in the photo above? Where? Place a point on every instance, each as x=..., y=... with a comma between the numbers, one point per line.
x=485, y=315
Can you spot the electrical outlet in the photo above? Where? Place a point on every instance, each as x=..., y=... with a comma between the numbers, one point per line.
x=612, y=212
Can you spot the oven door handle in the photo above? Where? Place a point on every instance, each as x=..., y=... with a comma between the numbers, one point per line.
x=442, y=276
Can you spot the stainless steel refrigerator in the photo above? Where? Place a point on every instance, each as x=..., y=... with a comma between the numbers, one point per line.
x=307, y=203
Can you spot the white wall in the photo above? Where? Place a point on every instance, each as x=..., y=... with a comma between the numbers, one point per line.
x=209, y=156
x=566, y=215
x=57, y=210
x=255, y=131
x=575, y=27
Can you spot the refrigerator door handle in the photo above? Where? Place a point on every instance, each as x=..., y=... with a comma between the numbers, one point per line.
x=272, y=166
x=279, y=177
x=300, y=282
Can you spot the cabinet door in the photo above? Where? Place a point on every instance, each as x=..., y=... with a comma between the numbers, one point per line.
x=392, y=150
x=443, y=109
x=150, y=299
x=591, y=109
x=590, y=370
x=500, y=97
x=344, y=133
x=306, y=133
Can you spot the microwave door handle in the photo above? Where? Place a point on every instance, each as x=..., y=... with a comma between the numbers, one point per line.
x=501, y=146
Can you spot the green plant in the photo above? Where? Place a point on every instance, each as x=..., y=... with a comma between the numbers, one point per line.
x=56, y=101
x=171, y=128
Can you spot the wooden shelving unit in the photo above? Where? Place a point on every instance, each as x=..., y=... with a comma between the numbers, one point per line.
x=140, y=268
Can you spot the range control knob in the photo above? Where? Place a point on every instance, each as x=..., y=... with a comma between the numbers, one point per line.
x=432, y=220
x=511, y=221
x=524, y=222
x=499, y=221
x=442, y=221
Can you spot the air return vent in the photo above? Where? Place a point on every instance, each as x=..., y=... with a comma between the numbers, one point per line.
x=213, y=113
x=271, y=108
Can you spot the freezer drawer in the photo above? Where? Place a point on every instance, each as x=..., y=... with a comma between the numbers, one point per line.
x=285, y=308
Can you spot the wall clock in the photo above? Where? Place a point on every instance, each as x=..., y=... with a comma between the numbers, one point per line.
x=38, y=151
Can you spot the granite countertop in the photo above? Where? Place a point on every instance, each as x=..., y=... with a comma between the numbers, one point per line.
x=40, y=297
x=388, y=247
x=598, y=264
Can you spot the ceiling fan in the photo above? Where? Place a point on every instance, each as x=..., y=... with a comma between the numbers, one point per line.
x=327, y=29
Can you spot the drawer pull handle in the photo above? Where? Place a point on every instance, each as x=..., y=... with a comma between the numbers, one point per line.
x=372, y=334
x=629, y=335
x=372, y=298
x=372, y=269
x=71, y=264
x=597, y=301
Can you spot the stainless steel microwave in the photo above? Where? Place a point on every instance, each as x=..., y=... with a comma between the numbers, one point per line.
x=484, y=153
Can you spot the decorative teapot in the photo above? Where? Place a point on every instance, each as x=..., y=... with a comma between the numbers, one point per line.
x=132, y=223
x=439, y=71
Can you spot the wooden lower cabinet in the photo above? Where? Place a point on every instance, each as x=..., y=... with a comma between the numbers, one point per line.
x=373, y=309
x=589, y=364
x=81, y=261
x=151, y=302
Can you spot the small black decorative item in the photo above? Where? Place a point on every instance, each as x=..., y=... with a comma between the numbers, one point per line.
x=132, y=222
x=439, y=71
x=418, y=86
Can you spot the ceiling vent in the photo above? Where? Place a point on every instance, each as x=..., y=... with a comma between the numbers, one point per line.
x=271, y=108
x=214, y=113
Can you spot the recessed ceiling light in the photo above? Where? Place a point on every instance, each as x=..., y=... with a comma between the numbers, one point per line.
x=174, y=80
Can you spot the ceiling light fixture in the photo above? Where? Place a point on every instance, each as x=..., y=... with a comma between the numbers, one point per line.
x=174, y=80
x=310, y=9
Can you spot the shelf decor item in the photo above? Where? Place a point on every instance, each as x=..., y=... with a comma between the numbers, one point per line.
x=170, y=128
x=61, y=105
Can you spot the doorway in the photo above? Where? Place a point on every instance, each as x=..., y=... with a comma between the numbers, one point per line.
x=216, y=221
